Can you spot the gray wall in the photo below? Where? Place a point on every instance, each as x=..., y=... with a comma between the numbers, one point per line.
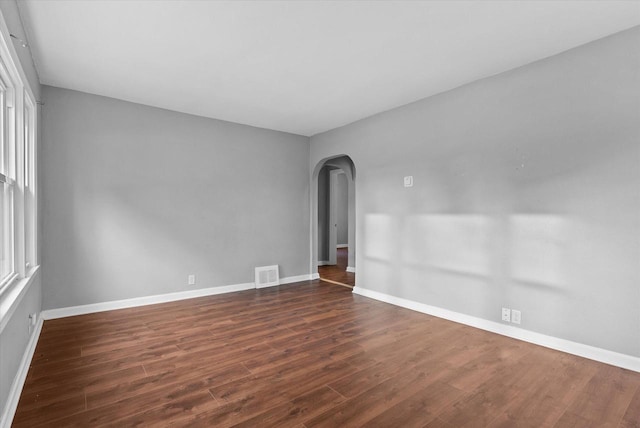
x=342, y=199
x=527, y=194
x=323, y=214
x=14, y=337
x=342, y=217
x=136, y=198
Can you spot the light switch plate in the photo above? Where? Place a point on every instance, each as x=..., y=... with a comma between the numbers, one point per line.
x=408, y=181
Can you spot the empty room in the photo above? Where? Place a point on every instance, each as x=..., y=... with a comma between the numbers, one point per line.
x=319, y=213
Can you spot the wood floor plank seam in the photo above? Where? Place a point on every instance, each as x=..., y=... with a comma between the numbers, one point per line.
x=327, y=385
x=330, y=281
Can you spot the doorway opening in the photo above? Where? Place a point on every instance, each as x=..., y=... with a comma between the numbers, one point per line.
x=334, y=221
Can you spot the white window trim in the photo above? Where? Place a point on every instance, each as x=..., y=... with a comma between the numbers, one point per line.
x=21, y=94
x=30, y=248
x=10, y=153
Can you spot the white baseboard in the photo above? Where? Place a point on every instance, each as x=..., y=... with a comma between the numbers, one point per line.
x=11, y=405
x=351, y=269
x=50, y=314
x=143, y=301
x=315, y=276
x=323, y=262
x=289, y=280
x=342, y=246
x=273, y=284
x=299, y=278
x=598, y=354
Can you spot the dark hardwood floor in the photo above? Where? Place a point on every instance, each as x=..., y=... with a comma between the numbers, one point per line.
x=309, y=354
x=338, y=273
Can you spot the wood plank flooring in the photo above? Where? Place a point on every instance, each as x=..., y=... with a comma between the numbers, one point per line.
x=338, y=273
x=309, y=354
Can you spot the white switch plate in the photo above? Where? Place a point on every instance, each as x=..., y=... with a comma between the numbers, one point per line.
x=408, y=181
x=192, y=279
x=516, y=316
x=506, y=314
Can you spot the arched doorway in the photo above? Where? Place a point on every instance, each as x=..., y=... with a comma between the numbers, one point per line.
x=333, y=220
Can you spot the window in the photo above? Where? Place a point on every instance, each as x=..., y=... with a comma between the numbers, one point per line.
x=7, y=179
x=18, y=202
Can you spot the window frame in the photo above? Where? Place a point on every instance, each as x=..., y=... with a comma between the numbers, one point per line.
x=30, y=181
x=18, y=157
x=8, y=143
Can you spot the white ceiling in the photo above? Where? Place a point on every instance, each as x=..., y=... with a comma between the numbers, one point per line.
x=303, y=67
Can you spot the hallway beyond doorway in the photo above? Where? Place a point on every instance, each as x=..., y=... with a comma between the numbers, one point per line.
x=338, y=273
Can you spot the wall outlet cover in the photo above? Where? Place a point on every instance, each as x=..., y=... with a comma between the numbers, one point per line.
x=516, y=316
x=506, y=314
x=408, y=181
x=191, y=279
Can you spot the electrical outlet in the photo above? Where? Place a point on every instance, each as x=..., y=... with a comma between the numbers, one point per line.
x=191, y=279
x=516, y=316
x=506, y=314
x=32, y=321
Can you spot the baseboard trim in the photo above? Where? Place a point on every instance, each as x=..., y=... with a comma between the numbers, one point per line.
x=586, y=351
x=15, y=391
x=323, y=262
x=342, y=246
x=315, y=276
x=351, y=269
x=298, y=278
x=289, y=280
x=50, y=314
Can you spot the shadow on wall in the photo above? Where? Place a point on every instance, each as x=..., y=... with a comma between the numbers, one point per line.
x=466, y=256
x=563, y=251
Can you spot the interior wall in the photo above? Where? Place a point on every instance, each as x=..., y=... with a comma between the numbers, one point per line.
x=323, y=214
x=526, y=195
x=342, y=199
x=137, y=198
